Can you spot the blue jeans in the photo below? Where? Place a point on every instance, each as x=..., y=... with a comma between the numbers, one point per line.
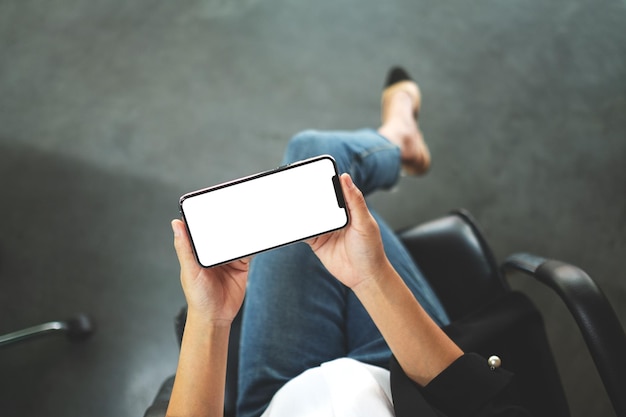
x=297, y=315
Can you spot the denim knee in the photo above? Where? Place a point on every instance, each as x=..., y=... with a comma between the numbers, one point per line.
x=311, y=143
x=371, y=160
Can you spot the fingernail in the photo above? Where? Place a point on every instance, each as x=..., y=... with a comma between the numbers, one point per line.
x=349, y=182
x=175, y=228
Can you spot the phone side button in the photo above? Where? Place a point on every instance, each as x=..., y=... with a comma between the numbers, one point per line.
x=338, y=192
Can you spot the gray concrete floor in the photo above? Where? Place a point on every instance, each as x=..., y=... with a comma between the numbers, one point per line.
x=109, y=110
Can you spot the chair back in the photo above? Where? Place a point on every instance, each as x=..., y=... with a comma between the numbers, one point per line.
x=486, y=316
x=457, y=262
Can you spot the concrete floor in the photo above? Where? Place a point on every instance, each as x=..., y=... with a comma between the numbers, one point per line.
x=109, y=110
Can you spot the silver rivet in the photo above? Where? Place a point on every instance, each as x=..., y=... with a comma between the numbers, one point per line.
x=494, y=362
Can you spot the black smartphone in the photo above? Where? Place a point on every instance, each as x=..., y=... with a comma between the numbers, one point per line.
x=264, y=211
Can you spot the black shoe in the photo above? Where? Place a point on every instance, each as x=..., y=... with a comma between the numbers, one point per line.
x=395, y=75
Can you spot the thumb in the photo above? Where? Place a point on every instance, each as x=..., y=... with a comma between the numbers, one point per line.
x=357, y=207
x=184, y=252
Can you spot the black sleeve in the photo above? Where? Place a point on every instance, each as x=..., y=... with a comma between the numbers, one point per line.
x=468, y=387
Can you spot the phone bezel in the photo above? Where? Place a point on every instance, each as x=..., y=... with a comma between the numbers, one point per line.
x=294, y=165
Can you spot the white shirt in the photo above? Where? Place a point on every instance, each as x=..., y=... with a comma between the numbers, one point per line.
x=340, y=388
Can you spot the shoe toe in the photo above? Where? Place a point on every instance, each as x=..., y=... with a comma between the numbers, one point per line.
x=397, y=74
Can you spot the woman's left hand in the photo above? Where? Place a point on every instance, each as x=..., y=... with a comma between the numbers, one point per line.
x=217, y=293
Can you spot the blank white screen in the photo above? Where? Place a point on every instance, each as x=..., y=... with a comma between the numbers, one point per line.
x=237, y=220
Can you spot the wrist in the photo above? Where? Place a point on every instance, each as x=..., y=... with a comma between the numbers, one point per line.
x=375, y=278
x=202, y=319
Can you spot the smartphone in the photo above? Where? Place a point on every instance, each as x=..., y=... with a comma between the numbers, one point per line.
x=264, y=211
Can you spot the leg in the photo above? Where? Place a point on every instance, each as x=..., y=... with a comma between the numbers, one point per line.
x=293, y=320
x=374, y=157
x=372, y=161
x=297, y=315
x=295, y=311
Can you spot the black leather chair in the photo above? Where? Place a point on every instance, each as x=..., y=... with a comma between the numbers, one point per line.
x=457, y=261
x=76, y=329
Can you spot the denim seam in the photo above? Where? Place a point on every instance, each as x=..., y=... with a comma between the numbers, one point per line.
x=369, y=152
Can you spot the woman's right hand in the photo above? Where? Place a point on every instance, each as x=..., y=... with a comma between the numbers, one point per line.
x=354, y=253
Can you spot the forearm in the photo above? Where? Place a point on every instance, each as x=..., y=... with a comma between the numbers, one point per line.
x=420, y=346
x=200, y=377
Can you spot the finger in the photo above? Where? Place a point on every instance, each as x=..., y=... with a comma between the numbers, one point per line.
x=355, y=200
x=317, y=242
x=242, y=263
x=182, y=243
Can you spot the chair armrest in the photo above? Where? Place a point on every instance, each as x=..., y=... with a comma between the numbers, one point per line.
x=599, y=325
x=77, y=329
